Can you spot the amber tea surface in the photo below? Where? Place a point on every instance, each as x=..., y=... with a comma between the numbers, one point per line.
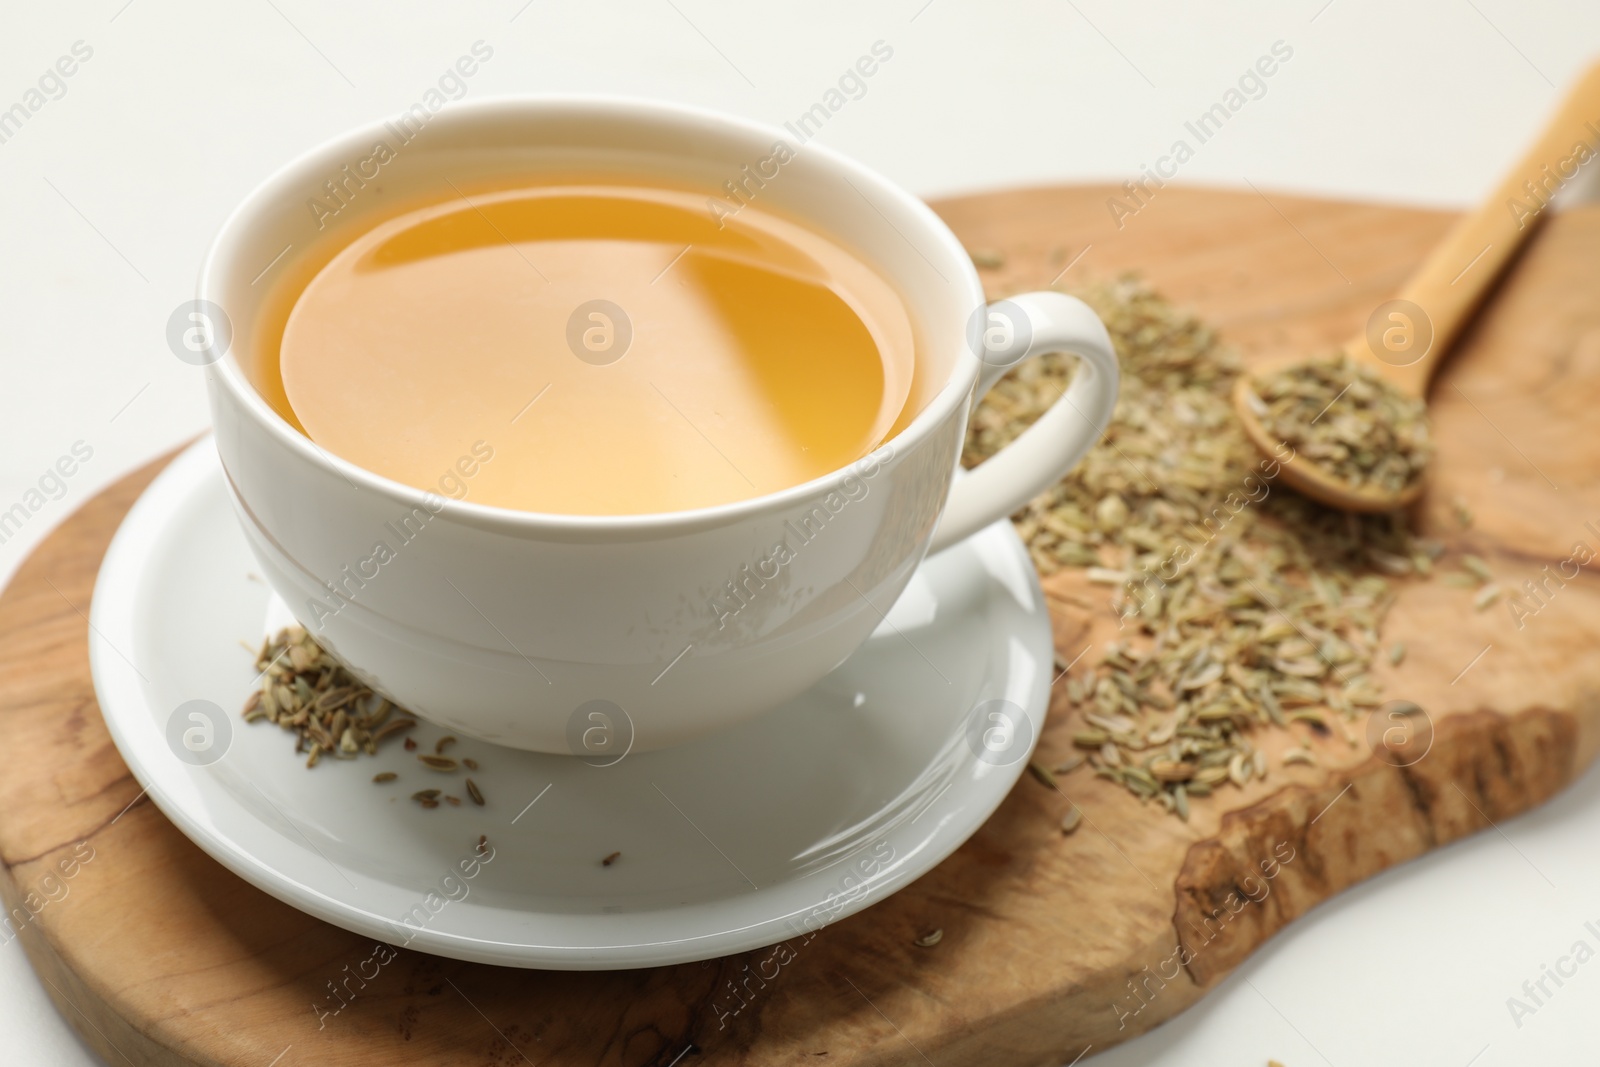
x=613, y=349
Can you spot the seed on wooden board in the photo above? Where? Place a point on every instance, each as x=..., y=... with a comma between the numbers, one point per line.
x=929, y=939
x=1106, y=576
x=1475, y=566
x=1071, y=820
x=1312, y=719
x=1390, y=562
x=1114, y=724
x=1170, y=770
x=1239, y=769
x=1239, y=602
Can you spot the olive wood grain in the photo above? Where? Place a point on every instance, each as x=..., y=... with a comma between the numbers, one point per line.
x=1051, y=944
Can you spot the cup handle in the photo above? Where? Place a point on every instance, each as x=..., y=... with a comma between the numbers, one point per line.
x=1058, y=439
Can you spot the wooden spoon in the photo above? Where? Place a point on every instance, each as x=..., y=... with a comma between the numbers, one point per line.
x=1407, y=337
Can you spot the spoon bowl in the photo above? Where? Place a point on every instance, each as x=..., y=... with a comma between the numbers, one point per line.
x=1304, y=476
x=1406, y=338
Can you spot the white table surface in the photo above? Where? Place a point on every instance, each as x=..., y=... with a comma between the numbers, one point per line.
x=109, y=195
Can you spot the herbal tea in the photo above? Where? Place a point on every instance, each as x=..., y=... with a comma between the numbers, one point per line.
x=616, y=349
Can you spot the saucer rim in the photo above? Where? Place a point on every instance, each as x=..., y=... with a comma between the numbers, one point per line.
x=125, y=706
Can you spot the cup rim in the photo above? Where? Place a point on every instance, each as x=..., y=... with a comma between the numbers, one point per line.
x=291, y=175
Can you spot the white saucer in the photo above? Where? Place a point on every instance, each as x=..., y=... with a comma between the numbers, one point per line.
x=744, y=839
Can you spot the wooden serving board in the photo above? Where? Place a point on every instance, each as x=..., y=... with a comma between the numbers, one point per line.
x=160, y=956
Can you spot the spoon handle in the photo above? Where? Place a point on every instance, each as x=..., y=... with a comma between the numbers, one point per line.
x=1447, y=287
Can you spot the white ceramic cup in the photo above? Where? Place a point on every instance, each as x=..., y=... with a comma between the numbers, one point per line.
x=600, y=635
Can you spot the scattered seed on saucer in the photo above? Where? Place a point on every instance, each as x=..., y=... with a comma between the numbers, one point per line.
x=334, y=716
x=391, y=728
x=469, y=763
x=609, y=860
x=928, y=940
x=303, y=689
x=483, y=843
x=1070, y=821
x=252, y=707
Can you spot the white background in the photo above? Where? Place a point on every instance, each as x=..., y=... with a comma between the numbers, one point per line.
x=109, y=195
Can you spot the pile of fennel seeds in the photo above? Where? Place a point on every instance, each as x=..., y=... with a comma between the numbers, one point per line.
x=1244, y=606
